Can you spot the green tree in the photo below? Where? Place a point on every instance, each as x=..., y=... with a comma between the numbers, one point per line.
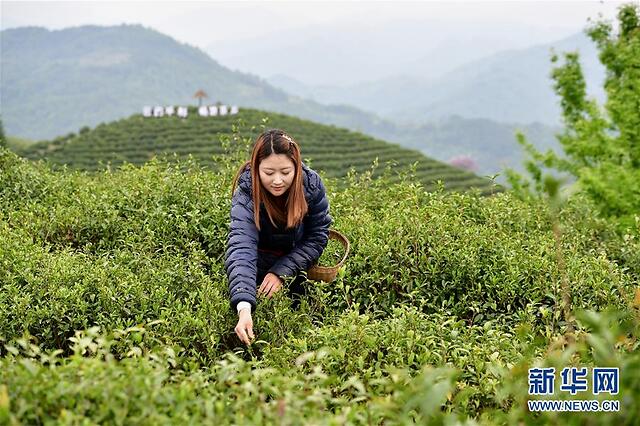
x=3, y=141
x=601, y=143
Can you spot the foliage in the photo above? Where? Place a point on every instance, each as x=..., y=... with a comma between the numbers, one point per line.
x=149, y=388
x=605, y=339
x=114, y=304
x=601, y=146
x=3, y=139
x=332, y=254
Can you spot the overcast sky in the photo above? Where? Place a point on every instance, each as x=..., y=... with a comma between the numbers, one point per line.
x=202, y=23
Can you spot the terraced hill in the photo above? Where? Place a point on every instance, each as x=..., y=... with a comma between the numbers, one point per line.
x=137, y=139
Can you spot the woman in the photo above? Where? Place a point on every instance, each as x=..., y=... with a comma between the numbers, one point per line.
x=284, y=236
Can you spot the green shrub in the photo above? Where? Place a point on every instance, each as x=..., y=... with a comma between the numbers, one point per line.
x=442, y=302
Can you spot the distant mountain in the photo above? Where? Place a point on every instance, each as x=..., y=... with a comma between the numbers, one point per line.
x=54, y=82
x=382, y=97
x=490, y=145
x=510, y=86
x=344, y=53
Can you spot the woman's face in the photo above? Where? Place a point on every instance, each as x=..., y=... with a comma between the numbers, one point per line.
x=276, y=173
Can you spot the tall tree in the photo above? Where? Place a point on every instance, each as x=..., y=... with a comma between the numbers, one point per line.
x=601, y=143
x=3, y=142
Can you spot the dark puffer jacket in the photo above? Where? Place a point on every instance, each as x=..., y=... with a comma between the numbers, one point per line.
x=303, y=247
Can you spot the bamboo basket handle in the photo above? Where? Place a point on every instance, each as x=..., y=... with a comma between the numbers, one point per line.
x=345, y=244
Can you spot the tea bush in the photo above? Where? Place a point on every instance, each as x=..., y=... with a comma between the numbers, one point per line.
x=602, y=339
x=473, y=256
x=149, y=389
x=444, y=298
x=407, y=339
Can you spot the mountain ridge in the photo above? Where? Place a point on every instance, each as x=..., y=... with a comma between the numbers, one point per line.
x=497, y=80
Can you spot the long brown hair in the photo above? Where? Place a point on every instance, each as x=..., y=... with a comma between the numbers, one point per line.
x=275, y=141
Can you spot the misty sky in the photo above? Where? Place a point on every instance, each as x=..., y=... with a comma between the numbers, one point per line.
x=203, y=23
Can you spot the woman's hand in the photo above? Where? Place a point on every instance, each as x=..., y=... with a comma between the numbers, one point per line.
x=270, y=285
x=244, y=329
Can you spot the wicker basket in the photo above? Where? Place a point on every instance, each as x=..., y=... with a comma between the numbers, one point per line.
x=328, y=273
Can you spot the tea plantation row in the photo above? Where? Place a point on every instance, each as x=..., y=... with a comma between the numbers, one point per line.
x=334, y=150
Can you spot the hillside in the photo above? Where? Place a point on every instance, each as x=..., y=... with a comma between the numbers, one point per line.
x=491, y=145
x=335, y=150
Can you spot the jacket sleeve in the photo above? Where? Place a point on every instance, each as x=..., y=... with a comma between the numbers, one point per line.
x=316, y=226
x=242, y=251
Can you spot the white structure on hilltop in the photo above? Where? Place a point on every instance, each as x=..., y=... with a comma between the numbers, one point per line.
x=183, y=111
x=158, y=111
x=203, y=111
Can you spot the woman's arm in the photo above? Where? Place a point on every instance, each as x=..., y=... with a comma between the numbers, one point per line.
x=242, y=251
x=317, y=225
